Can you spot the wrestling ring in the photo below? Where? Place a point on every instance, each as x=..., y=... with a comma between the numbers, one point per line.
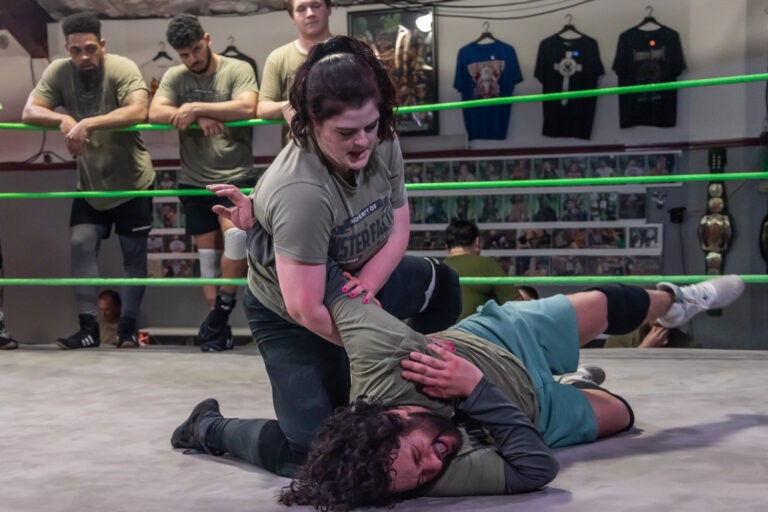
x=88, y=429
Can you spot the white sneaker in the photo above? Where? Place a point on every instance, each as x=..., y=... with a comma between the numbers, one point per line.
x=589, y=374
x=693, y=299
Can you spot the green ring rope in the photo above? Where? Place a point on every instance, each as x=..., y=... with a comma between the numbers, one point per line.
x=577, y=280
x=452, y=185
x=627, y=89
x=143, y=126
x=631, y=180
x=513, y=280
x=584, y=280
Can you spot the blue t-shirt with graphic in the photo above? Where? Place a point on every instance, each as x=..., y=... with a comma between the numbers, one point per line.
x=487, y=71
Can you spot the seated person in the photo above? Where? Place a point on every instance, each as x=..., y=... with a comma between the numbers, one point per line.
x=462, y=239
x=492, y=373
x=651, y=336
x=110, y=306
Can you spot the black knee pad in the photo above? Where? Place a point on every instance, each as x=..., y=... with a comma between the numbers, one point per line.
x=627, y=307
x=588, y=385
x=446, y=296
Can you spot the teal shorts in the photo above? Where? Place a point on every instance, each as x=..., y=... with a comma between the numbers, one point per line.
x=544, y=335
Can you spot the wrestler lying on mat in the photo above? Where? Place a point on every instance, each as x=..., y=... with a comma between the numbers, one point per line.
x=470, y=410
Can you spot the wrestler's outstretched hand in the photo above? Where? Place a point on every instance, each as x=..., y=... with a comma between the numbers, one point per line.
x=241, y=214
x=444, y=376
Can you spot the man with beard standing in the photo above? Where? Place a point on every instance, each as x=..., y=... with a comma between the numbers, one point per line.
x=100, y=92
x=210, y=89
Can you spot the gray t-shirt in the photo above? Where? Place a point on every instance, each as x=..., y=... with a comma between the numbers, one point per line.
x=308, y=213
x=223, y=158
x=113, y=160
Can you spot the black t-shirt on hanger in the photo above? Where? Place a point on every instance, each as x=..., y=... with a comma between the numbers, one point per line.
x=234, y=53
x=568, y=65
x=646, y=57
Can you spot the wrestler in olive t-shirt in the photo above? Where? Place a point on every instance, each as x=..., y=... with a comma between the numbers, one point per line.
x=114, y=159
x=222, y=158
x=503, y=452
x=309, y=213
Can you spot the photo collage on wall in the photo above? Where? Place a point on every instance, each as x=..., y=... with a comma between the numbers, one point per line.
x=581, y=166
x=171, y=252
x=579, y=265
x=627, y=245
x=532, y=266
x=511, y=208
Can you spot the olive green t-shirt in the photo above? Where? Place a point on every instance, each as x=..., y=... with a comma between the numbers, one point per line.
x=113, y=159
x=309, y=213
x=222, y=158
x=277, y=79
x=279, y=71
x=376, y=342
x=474, y=295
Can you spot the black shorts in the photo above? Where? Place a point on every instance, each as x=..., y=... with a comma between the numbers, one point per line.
x=132, y=218
x=198, y=209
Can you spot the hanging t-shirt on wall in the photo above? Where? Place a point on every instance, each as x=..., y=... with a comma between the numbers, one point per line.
x=231, y=51
x=564, y=65
x=153, y=70
x=646, y=57
x=487, y=71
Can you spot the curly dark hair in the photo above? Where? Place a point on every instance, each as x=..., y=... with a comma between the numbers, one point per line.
x=81, y=23
x=338, y=74
x=184, y=30
x=350, y=461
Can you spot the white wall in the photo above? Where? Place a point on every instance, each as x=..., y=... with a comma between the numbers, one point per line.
x=719, y=38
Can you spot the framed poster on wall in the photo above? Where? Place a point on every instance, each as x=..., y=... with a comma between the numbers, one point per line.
x=405, y=43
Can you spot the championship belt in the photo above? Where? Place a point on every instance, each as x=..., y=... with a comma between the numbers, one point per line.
x=715, y=231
